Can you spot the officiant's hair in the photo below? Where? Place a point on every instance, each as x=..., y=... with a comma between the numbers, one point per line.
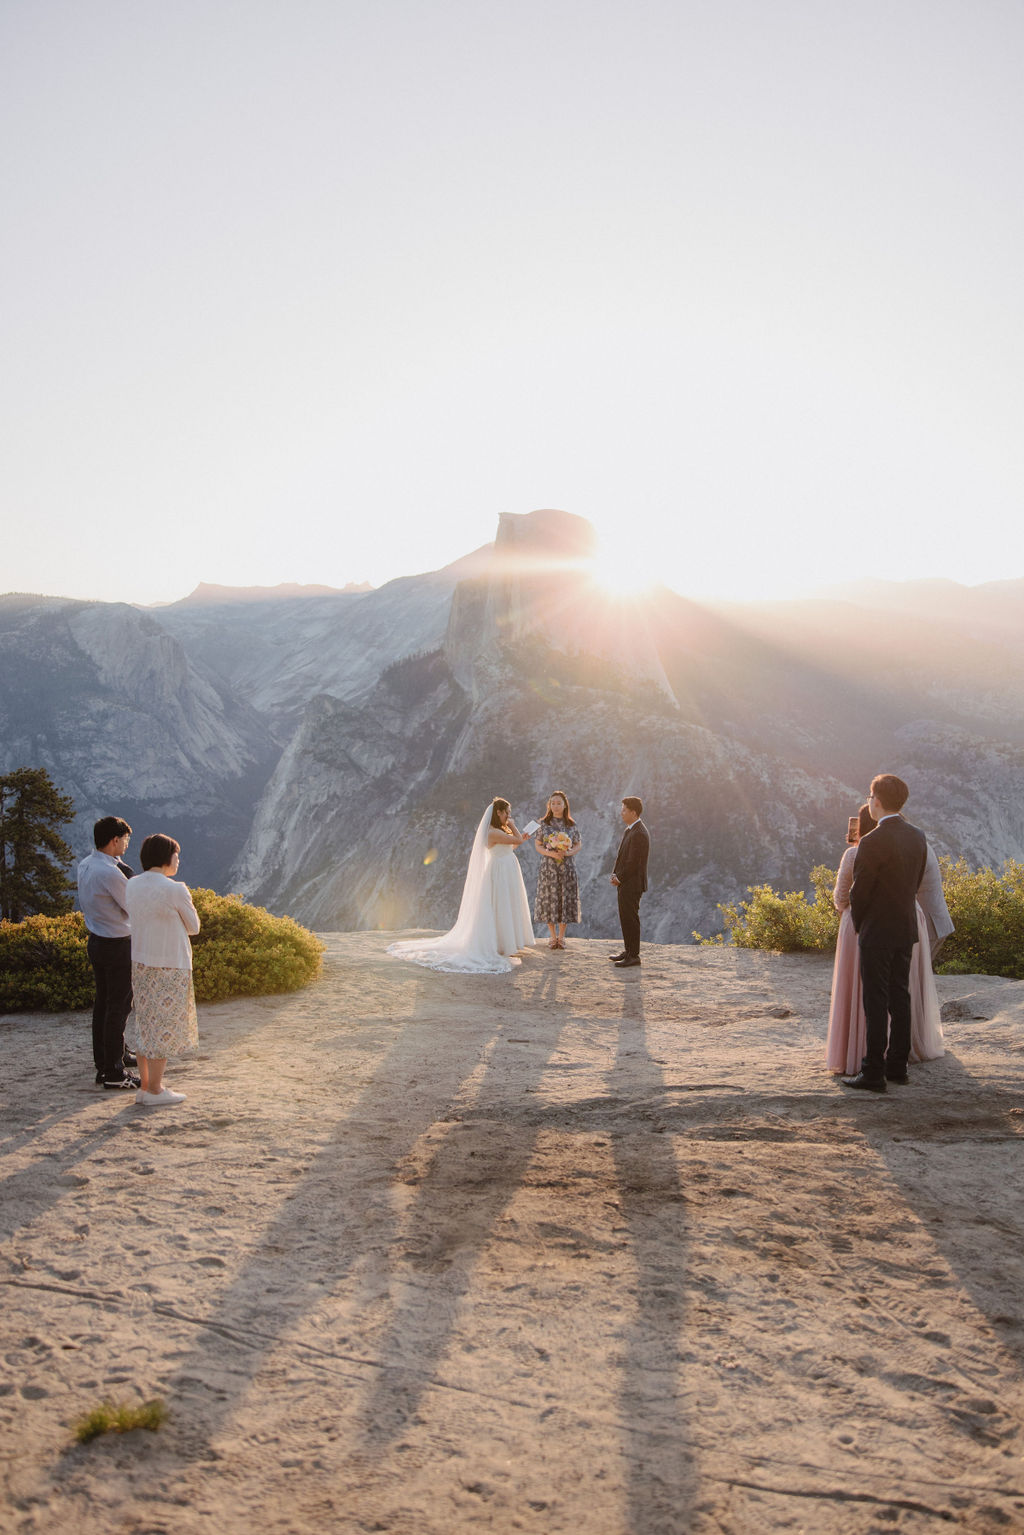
x=891, y=792
x=498, y=804
x=550, y=813
x=632, y=803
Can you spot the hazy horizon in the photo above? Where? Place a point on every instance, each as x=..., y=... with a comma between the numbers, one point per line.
x=313, y=589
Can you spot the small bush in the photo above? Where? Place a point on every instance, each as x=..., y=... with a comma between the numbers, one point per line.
x=988, y=910
x=785, y=923
x=44, y=967
x=242, y=951
x=120, y=1418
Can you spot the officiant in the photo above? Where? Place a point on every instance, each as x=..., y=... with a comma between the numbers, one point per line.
x=557, y=901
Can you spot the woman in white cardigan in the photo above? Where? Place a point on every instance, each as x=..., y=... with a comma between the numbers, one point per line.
x=162, y=916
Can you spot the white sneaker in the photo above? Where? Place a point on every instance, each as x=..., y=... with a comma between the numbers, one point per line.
x=156, y=1100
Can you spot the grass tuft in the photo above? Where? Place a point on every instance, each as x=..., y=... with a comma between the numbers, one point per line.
x=119, y=1418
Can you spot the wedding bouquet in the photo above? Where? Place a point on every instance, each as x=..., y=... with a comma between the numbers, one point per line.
x=558, y=842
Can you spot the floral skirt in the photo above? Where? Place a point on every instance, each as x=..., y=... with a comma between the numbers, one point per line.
x=163, y=1020
x=558, y=892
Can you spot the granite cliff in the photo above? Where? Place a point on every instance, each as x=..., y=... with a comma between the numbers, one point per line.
x=108, y=702
x=751, y=733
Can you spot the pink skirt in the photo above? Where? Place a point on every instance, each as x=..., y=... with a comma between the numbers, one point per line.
x=847, y=1025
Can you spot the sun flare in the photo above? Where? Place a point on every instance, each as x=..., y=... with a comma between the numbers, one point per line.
x=621, y=574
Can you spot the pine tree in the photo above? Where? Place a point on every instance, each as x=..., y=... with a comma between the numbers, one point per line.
x=34, y=857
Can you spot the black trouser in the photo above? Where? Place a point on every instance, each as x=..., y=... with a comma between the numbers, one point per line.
x=629, y=894
x=885, y=985
x=111, y=960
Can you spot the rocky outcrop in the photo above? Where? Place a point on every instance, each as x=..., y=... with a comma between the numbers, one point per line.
x=538, y=583
x=368, y=820
x=277, y=655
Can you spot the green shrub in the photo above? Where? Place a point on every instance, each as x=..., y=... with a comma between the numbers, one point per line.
x=786, y=922
x=43, y=965
x=242, y=951
x=988, y=910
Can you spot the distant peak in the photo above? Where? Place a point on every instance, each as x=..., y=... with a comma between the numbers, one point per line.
x=208, y=593
x=546, y=535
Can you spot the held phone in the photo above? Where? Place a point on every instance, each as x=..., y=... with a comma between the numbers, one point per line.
x=853, y=830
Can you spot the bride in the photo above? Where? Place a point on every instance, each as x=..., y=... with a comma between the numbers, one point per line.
x=494, y=917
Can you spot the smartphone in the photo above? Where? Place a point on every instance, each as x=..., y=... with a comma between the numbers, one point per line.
x=853, y=830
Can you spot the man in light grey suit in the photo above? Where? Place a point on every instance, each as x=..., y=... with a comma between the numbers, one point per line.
x=933, y=903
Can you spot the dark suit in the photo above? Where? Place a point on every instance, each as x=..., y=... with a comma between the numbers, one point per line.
x=631, y=872
x=888, y=868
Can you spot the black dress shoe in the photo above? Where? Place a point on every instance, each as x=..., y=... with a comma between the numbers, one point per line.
x=869, y=1084
x=128, y=1061
x=616, y=957
x=899, y=1077
x=630, y=959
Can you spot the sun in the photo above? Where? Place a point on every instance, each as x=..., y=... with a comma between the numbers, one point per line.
x=620, y=573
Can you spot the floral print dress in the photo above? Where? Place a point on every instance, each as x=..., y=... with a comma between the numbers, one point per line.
x=558, y=886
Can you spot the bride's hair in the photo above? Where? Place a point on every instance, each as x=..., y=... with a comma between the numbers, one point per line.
x=551, y=816
x=865, y=821
x=496, y=806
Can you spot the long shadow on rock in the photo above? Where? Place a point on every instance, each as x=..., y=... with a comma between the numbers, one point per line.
x=470, y=1174
x=957, y=1167
x=660, y=1466
x=333, y=1225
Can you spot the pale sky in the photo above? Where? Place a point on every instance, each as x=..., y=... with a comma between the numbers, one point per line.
x=312, y=290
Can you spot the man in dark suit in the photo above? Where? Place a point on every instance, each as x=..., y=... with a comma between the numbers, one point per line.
x=889, y=867
x=630, y=879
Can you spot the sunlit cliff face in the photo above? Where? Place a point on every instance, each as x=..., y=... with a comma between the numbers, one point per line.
x=556, y=544
x=545, y=579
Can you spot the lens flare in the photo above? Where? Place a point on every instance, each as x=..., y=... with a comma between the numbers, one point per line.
x=622, y=573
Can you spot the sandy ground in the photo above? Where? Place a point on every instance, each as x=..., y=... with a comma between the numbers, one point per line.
x=571, y=1250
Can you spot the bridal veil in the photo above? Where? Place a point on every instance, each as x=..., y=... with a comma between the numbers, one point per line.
x=472, y=944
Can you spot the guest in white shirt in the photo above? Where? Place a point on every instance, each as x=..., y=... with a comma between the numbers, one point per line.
x=162, y=917
x=102, y=882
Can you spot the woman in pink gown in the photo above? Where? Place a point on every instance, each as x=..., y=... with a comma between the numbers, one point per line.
x=847, y=1025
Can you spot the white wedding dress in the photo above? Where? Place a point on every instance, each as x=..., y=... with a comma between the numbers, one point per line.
x=494, y=916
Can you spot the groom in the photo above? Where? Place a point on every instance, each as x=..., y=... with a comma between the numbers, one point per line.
x=630, y=879
x=887, y=871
